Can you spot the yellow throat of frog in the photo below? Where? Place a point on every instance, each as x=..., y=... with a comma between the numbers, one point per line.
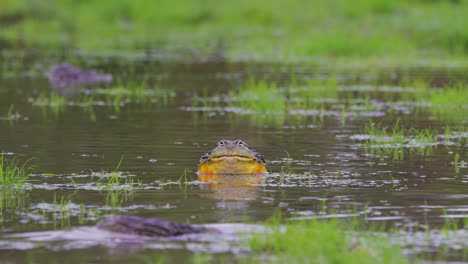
x=231, y=165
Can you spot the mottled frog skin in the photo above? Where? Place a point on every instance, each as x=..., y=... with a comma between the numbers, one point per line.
x=152, y=227
x=64, y=76
x=232, y=157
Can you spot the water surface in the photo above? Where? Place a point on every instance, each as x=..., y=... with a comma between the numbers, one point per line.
x=318, y=165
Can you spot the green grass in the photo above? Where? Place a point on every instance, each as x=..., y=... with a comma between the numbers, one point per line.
x=269, y=104
x=55, y=102
x=88, y=214
x=458, y=163
x=270, y=29
x=393, y=141
x=115, y=98
x=263, y=101
x=12, y=173
x=377, y=133
x=321, y=241
x=11, y=198
x=448, y=103
x=114, y=181
x=457, y=133
x=115, y=199
x=62, y=212
x=266, y=101
x=319, y=89
x=12, y=114
x=259, y=96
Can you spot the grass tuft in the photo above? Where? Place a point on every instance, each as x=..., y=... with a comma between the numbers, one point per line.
x=392, y=141
x=12, y=173
x=113, y=180
x=448, y=103
x=261, y=97
x=323, y=241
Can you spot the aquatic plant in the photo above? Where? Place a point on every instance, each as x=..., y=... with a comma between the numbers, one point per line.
x=115, y=198
x=114, y=97
x=378, y=133
x=88, y=213
x=184, y=178
x=63, y=211
x=262, y=101
x=382, y=140
x=458, y=133
x=53, y=101
x=12, y=173
x=287, y=169
x=12, y=114
x=11, y=198
x=459, y=163
x=316, y=91
x=266, y=104
x=259, y=96
x=448, y=103
x=114, y=181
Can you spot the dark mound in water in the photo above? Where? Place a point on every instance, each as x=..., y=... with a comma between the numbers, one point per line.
x=150, y=226
x=63, y=76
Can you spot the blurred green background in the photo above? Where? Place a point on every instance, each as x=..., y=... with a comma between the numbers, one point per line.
x=264, y=28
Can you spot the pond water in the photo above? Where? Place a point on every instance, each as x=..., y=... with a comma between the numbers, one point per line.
x=318, y=163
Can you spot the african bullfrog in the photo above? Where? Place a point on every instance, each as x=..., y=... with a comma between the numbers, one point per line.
x=232, y=157
x=227, y=159
x=153, y=227
x=64, y=76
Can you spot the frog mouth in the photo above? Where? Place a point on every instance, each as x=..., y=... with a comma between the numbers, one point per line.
x=231, y=157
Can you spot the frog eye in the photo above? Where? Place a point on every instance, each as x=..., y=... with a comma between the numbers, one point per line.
x=241, y=143
x=222, y=143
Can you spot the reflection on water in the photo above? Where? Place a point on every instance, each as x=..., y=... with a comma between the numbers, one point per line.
x=232, y=187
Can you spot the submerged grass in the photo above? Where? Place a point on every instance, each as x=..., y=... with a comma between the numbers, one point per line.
x=12, y=114
x=266, y=97
x=262, y=100
x=448, y=103
x=55, y=102
x=113, y=98
x=115, y=199
x=266, y=102
x=458, y=163
x=315, y=91
x=62, y=212
x=261, y=97
x=12, y=173
x=11, y=198
x=114, y=181
x=393, y=141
